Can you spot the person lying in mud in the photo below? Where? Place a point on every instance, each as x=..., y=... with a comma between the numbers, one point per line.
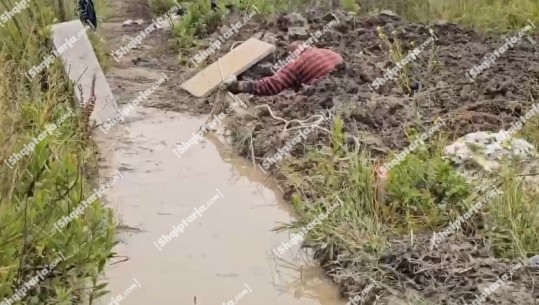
x=311, y=65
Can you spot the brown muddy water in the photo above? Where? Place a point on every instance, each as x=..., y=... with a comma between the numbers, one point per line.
x=219, y=255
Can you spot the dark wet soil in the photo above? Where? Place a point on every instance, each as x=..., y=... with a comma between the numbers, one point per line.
x=456, y=272
x=440, y=87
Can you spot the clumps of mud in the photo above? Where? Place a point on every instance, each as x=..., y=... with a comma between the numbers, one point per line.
x=454, y=272
x=383, y=119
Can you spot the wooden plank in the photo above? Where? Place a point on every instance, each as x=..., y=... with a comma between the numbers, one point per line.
x=234, y=62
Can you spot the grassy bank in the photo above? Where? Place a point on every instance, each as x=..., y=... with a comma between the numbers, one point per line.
x=488, y=15
x=359, y=240
x=423, y=195
x=417, y=184
x=40, y=187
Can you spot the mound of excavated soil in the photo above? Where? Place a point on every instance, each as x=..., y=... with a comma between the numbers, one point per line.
x=441, y=88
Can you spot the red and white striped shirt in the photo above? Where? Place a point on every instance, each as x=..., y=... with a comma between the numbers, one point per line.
x=312, y=65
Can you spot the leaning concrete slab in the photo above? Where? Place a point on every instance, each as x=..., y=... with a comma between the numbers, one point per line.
x=234, y=62
x=71, y=41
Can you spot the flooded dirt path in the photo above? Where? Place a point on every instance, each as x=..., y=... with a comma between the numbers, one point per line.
x=221, y=254
x=227, y=247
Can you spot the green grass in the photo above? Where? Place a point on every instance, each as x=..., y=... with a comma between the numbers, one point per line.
x=485, y=15
x=200, y=21
x=497, y=15
x=53, y=179
x=424, y=195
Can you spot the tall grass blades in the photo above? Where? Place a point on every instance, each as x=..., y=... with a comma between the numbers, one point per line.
x=50, y=180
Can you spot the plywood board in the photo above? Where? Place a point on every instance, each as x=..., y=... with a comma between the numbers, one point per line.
x=234, y=62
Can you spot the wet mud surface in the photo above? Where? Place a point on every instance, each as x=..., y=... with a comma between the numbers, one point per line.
x=229, y=245
x=437, y=79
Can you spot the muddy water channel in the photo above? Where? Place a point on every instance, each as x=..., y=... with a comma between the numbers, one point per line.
x=222, y=254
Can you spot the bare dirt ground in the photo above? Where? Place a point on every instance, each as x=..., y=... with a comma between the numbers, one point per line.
x=492, y=102
x=448, y=275
x=440, y=88
x=457, y=272
x=142, y=66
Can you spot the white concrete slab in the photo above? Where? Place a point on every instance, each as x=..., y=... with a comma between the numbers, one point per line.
x=81, y=64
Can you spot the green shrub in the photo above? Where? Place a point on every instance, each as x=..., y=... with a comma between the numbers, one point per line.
x=52, y=179
x=424, y=194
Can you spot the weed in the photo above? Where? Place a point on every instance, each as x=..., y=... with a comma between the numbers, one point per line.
x=396, y=55
x=486, y=15
x=51, y=180
x=351, y=6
